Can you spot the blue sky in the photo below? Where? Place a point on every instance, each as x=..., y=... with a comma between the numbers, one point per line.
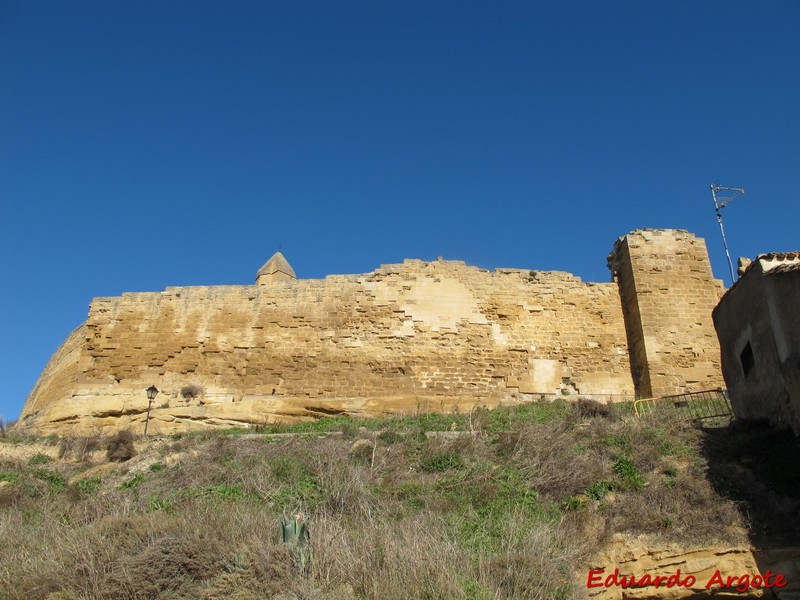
x=153, y=143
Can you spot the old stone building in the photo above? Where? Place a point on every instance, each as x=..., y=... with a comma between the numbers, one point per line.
x=758, y=324
x=438, y=335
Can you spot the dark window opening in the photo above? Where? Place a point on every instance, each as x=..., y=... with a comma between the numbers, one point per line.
x=747, y=359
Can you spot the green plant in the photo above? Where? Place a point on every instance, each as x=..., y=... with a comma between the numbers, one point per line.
x=573, y=503
x=599, y=489
x=89, y=485
x=294, y=533
x=298, y=486
x=9, y=476
x=441, y=461
x=54, y=479
x=389, y=437
x=132, y=482
x=632, y=479
x=159, y=503
x=39, y=459
x=223, y=491
x=156, y=467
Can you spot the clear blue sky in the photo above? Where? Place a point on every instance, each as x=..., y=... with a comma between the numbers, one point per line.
x=153, y=143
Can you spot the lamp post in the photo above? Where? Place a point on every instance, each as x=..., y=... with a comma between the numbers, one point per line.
x=151, y=395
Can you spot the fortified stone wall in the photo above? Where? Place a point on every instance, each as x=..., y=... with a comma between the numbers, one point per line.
x=414, y=336
x=668, y=292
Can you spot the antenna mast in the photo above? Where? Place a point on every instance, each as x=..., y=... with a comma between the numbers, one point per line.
x=721, y=202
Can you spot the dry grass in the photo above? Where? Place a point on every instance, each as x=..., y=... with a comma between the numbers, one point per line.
x=497, y=515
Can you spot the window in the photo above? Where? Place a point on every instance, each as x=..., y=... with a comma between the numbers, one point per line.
x=747, y=359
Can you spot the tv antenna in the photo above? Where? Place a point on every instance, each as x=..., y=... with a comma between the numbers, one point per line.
x=721, y=201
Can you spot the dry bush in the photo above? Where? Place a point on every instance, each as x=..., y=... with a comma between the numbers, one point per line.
x=192, y=391
x=387, y=560
x=167, y=566
x=562, y=467
x=347, y=488
x=79, y=448
x=586, y=407
x=120, y=447
x=418, y=558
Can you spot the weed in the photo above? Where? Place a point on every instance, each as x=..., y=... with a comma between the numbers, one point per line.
x=39, y=459
x=223, y=491
x=599, y=489
x=132, y=482
x=298, y=486
x=120, y=447
x=160, y=503
x=192, y=391
x=9, y=476
x=56, y=480
x=81, y=448
x=591, y=408
x=441, y=461
x=631, y=477
x=89, y=485
x=389, y=437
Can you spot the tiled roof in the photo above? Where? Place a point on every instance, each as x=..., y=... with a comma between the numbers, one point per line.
x=784, y=262
x=782, y=256
x=784, y=268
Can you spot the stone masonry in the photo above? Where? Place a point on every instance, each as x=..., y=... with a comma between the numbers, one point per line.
x=414, y=336
x=668, y=292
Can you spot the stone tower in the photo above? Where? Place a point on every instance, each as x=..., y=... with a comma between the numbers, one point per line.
x=668, y=292
x=275, y=269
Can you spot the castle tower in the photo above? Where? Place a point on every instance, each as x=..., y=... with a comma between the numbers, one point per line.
x=275, y=269
x=668, y=292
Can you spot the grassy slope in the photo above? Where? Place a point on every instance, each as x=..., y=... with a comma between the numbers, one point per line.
x=509, y=510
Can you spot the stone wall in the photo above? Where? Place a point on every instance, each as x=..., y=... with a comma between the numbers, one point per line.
x=758, y=324
x=668, y=292
x=414, y=336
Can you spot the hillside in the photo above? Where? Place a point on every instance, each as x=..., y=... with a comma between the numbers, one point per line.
x=516, y=502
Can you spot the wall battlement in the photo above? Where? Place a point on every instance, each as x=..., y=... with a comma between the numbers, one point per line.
x=413, y=336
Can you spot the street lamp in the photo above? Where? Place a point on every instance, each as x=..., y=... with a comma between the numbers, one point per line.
x=151, y=395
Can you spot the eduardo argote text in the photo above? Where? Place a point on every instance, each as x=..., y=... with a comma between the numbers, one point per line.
x=598, y=578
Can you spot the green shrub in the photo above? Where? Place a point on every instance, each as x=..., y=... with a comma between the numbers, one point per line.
x=223, y=491
x=599, y=489
x=9, y=476
x=389, y=437
x=54, y=479
x=631, y=478
x=299, y=487
x=89, y=485
x=133, y=482
x=441, y=461
x=159, y=503
x=39, y=459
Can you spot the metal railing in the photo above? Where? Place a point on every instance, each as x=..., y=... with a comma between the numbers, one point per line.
x=695, y=406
